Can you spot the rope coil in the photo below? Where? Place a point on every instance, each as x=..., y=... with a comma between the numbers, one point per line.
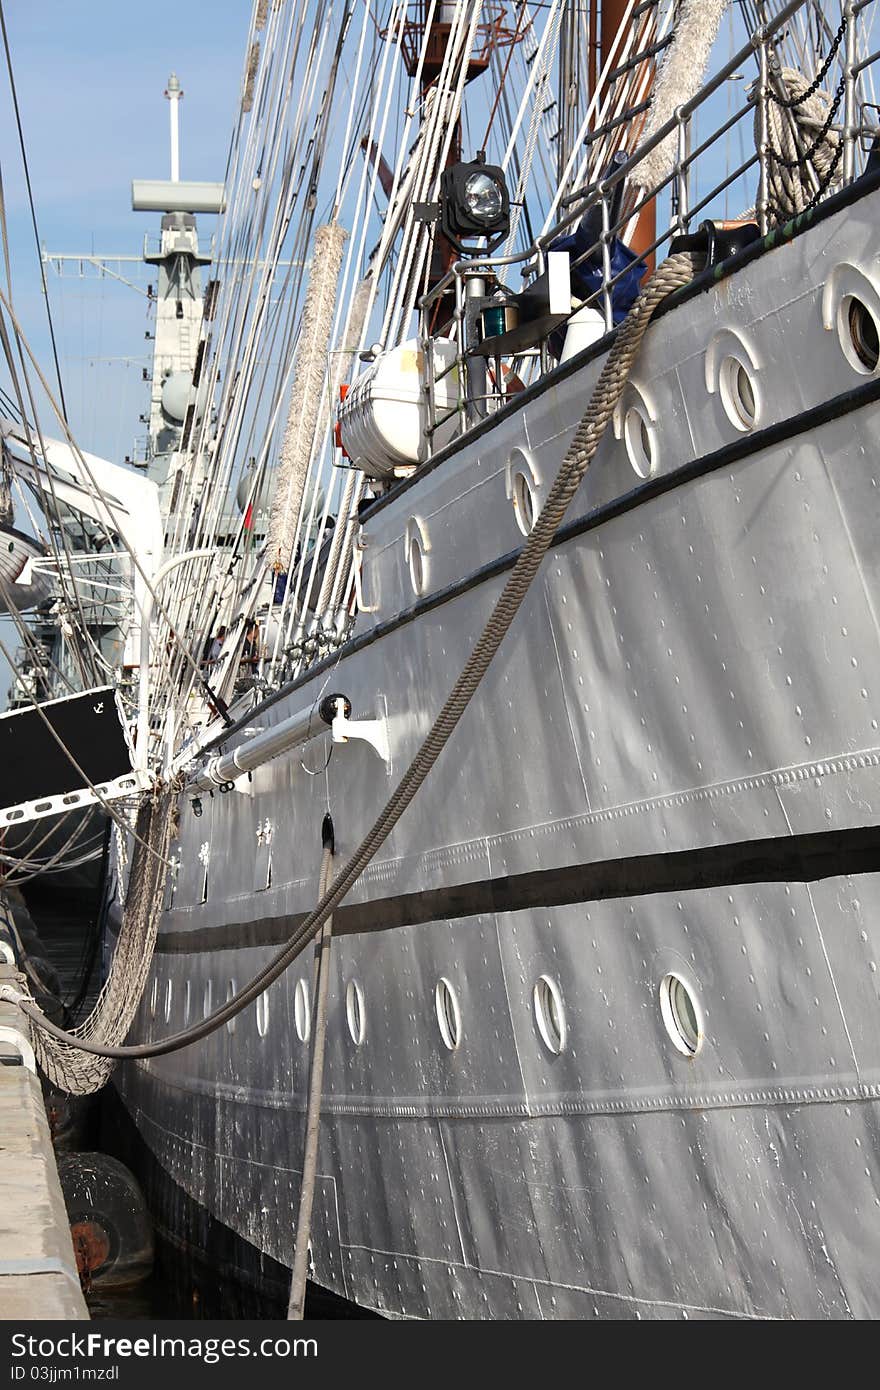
x=800, y=134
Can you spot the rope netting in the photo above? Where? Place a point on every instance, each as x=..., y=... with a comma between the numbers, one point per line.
x=64, y=1063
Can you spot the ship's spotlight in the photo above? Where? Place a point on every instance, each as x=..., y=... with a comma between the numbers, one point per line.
x=474, y=201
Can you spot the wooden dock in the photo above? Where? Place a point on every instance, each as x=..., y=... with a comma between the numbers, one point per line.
x=38, y=1278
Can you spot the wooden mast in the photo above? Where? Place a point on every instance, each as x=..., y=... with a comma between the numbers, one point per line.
x=611, y=20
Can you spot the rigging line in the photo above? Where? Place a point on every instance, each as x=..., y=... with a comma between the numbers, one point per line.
x=403, y=222
x=449, y=118
x=86, y=647
x=523, y=10
x=52, y=531
x=326, y=472
x=47, y=865
x=349, y=148
x=542, y=73
x=405, y=170
x=231, y=427
x=209, y=599
x=314, y=64
x=27, y=178
x=316, y=441
x=25, y=852
x=234, y=230
x=54, y=862
x=327, y=99
x=24, y=494
x=339, y=546
x=9, y=404
x=17, y=388
x=312, y=471
x=534, y=75
x=606, y=102
x=451, y=84
x=320, y=125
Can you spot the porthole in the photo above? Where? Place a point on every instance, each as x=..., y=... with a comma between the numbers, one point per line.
x=638, y=436
x=681, y=1013
x=416, y=565
x=549, y=1014
x=168, y=994
x=738, y=395
x=207, y=999
x=263, y=1014
x=154, y=997
x=354, y=1011
x=230, y=994
x=863, y=335
x=524, y=505
x=448, y=1014
x=302, y=1014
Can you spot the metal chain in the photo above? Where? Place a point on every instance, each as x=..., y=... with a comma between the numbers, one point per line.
x=826, y=182
x=789, y=103
x=807, y=155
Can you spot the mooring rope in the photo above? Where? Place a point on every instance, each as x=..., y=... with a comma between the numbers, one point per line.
x=675, y=273
x=299, y=1273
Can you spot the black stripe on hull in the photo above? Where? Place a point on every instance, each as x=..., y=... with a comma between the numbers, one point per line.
x=784, y=859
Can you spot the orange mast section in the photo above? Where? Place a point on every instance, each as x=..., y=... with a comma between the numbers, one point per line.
x=612, y=18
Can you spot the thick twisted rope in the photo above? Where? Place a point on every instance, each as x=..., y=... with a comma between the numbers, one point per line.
x=299, y=1272
x=63, y=1059
x=799, y=135
x=674, y=274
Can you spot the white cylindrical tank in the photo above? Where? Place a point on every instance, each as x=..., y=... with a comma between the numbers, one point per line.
x=385, y=413
x=585, y=327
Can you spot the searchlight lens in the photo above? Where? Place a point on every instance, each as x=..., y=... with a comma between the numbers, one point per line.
x=483, y=198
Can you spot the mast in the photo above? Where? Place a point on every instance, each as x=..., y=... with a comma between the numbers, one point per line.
x=569, y=82
x=174, y=93
x=611, y=22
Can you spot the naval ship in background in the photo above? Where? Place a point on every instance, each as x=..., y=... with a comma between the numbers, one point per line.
x=593, y=1030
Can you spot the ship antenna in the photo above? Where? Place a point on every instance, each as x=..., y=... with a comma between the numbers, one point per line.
x=174, y=92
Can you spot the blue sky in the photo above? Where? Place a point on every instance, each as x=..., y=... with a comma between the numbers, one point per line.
x=90, y=78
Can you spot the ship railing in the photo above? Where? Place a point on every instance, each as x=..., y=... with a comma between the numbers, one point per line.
x=103, y=582
x=464, y=278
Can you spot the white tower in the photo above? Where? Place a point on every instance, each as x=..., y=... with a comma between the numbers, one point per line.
x=178, y=304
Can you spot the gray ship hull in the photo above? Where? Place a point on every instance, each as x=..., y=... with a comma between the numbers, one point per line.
x=669, y=772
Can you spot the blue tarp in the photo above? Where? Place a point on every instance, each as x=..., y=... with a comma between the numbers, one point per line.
x=586, y=278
